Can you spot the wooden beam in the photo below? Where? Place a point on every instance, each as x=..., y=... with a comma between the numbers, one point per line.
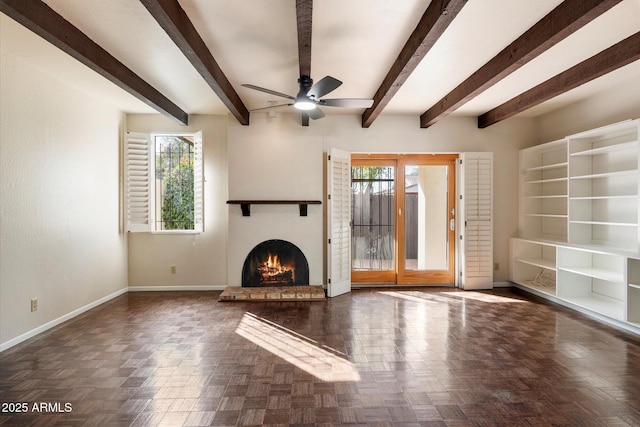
x=173, y=19
x=44, y=21
x=433, y=23
x=561, y=22
x=304, y=15
x=618, y=55
x=304, y=19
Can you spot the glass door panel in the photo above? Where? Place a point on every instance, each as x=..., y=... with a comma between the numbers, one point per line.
x=373, y=236
x=426, y=218
x=426, y=202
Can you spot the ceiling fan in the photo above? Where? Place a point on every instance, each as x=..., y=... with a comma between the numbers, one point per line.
x=308, y=98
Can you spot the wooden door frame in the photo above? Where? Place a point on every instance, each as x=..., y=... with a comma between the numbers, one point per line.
x=399, y=161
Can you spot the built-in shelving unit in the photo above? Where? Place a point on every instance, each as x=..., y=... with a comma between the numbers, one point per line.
x=579, y=221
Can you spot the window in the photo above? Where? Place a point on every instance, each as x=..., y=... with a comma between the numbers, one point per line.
x=164, y=182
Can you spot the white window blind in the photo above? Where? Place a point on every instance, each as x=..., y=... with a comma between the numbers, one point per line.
x=477, y=231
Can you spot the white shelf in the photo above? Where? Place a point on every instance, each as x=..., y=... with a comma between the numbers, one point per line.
x=632, y=145
x=547, y=167
x=551, y=290
x=628, y=196
x=539, y=262
x=616, y=174
x=546, y=215
x=596, y=273
x=542, y=181
x=602, y=305
x=552, y=196
x=607, y=223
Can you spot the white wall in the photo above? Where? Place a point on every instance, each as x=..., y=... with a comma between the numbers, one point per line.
x=603, y=109
x=60, y=238
x=275, y=159
x=200, y=259
x=278, y=158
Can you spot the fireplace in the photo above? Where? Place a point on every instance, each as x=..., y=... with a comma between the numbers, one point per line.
x=275, y=263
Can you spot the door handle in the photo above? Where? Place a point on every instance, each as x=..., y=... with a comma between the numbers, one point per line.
x=452, y=224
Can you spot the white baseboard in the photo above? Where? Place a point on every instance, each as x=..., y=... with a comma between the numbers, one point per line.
x=176, y=288
x=42, y=328
x=502, y=284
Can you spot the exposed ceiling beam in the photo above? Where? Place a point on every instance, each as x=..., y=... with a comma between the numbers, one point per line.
x=173, y=19
x=44, y=21
x=304, y=19
x=304, y=12
x=618, y=55
x=561, y=22
x=433, y=23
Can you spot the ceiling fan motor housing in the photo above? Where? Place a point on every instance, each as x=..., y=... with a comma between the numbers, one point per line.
x=305, y=83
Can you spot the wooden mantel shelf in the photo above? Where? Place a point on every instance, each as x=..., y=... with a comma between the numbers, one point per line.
x=245, y=205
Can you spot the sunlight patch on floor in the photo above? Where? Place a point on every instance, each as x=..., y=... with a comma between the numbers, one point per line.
x=417, y=296
x=449, y=297
x=297, y=350
x=480, y=296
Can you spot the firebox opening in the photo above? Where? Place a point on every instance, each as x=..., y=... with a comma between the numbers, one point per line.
x=275, y=263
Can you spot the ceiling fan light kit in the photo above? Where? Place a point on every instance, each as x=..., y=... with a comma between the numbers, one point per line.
x=303, y=103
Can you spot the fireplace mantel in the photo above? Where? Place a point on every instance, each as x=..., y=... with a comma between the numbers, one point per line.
x=245, y=205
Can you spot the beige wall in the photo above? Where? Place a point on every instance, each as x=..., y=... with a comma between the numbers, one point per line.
x=200, y=259
x=60, y=240
x=603, y=109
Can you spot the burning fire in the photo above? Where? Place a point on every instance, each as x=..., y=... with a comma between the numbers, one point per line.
x=272, y=270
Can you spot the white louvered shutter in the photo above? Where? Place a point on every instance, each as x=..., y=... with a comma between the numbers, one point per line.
x=476, y=268
x=198, y=184
x=339, y=226
x=138, y=168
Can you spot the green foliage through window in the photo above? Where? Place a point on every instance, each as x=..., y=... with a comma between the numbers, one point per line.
x=174, y=182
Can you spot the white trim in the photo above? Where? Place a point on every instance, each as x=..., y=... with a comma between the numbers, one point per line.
x=502, y=285
x=42, y=328
x=176, y=288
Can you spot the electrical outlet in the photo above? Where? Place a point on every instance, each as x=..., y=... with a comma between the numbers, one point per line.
x=173, y=269
x=34, y=304
x=496, y=266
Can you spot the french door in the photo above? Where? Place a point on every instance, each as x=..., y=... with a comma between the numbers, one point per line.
x=403, y=219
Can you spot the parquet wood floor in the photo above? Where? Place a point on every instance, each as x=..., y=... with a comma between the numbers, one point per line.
x=376, y=357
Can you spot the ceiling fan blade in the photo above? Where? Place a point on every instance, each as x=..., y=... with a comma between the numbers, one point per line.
x=272, y=92
x=347, y=102
x=271, y=106
x=315, y=114
x=323, y=87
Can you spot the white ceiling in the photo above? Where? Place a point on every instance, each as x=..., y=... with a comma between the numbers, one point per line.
x=356, y=41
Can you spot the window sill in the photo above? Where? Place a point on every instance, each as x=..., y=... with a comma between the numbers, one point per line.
x=175, y=232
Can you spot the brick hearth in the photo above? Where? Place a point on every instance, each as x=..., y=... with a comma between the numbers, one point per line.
x=280, y=293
